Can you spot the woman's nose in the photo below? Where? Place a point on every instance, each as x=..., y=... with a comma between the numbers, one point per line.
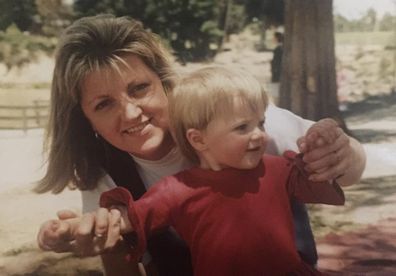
x=130, y=111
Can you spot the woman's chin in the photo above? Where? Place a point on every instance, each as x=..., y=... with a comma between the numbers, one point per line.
x=154, y=149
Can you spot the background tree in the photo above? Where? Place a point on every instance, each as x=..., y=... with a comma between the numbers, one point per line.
x=387, y=22
x=191, y=27
x=308, y=82
x=20, y=12
x=54, y=16
x=267, y=13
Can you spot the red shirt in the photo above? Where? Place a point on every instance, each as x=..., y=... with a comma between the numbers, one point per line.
x=235, y=222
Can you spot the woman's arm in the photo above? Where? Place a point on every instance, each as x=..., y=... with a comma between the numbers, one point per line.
x=345, y=159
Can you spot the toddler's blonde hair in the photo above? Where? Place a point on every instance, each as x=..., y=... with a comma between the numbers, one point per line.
x=207, y=93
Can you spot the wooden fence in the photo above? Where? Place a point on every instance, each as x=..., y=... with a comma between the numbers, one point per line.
x=24, y=117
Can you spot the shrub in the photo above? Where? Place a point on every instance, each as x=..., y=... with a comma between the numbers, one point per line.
x=19, y=48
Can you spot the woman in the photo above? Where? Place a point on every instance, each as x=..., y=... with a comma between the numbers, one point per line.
x=108, y=127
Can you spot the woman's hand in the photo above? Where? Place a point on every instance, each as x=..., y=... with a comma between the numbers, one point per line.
x=88, y=235
x=331, y=154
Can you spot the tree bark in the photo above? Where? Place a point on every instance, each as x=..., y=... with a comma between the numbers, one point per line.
x=308, y=82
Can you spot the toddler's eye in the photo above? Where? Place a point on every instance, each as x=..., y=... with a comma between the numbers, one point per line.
x=241, y=127
x=261, y=124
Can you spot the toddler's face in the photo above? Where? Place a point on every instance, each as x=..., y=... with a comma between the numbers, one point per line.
x=238, y=139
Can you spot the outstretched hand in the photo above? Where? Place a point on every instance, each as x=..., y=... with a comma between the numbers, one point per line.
x=88, y=235
x=327, y=151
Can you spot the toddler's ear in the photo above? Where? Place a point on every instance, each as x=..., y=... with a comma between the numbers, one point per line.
x=196, y=139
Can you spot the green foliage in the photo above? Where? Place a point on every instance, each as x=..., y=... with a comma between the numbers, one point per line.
x=18, y=49
x=388, y=22
x=53, y=15
x=272, y=12
x=194, y=29
x=20, y=12
x=368, y=22
x=191, y=27
x=116, y=7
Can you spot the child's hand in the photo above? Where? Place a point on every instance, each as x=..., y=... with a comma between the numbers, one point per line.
x=55, y=235
x=327, y=151
x=325, y=131
x=88, y=235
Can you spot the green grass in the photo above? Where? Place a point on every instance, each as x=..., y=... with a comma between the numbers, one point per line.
x=366, y=38
x=21, y=95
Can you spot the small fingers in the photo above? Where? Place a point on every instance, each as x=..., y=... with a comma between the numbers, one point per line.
x=302, y=144
x=340, y=145
x=101, y=222
x=114, y=230
x=53, y=236
x=66, y=214
x=47, y=235
x=324, y=131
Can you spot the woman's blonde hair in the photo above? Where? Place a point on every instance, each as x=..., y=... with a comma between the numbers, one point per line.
x=205, y=94
x=92, y=43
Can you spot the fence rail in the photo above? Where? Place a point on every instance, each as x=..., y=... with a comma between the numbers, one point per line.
x=24, y=116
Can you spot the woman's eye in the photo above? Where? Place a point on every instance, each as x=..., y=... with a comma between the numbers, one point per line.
x=102, y=104
x=139, y=90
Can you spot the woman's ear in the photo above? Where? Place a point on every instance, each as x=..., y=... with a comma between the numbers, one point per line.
x=196, y=138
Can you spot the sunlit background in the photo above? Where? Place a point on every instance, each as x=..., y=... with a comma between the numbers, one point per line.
x=366, y=76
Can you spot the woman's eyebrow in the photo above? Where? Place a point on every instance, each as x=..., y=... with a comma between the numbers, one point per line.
x=97, y=98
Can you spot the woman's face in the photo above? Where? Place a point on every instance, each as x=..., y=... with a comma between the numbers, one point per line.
x=129, y=109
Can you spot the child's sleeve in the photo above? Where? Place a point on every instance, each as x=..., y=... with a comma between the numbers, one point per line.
x=150, y=213
x=304, y=190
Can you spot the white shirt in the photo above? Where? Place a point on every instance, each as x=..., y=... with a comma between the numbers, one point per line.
x=282, y=126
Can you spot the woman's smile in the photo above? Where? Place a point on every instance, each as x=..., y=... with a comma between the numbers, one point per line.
x=138, y=128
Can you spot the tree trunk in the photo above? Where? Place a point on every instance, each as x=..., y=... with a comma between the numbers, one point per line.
x=308, y=82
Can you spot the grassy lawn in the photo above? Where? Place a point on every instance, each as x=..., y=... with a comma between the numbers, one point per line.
x=18, y=95
x=366, y=38
x=22, y=95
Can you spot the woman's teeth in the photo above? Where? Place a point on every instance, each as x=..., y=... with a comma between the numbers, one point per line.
x=136, y=128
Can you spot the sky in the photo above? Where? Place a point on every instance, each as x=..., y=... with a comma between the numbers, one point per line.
x=353, y=9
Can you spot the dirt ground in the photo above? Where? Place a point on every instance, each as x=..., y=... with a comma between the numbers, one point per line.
x=361, y=237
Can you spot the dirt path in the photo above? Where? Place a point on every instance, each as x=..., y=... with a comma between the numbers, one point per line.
x=368, y=251
x=363, y=241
